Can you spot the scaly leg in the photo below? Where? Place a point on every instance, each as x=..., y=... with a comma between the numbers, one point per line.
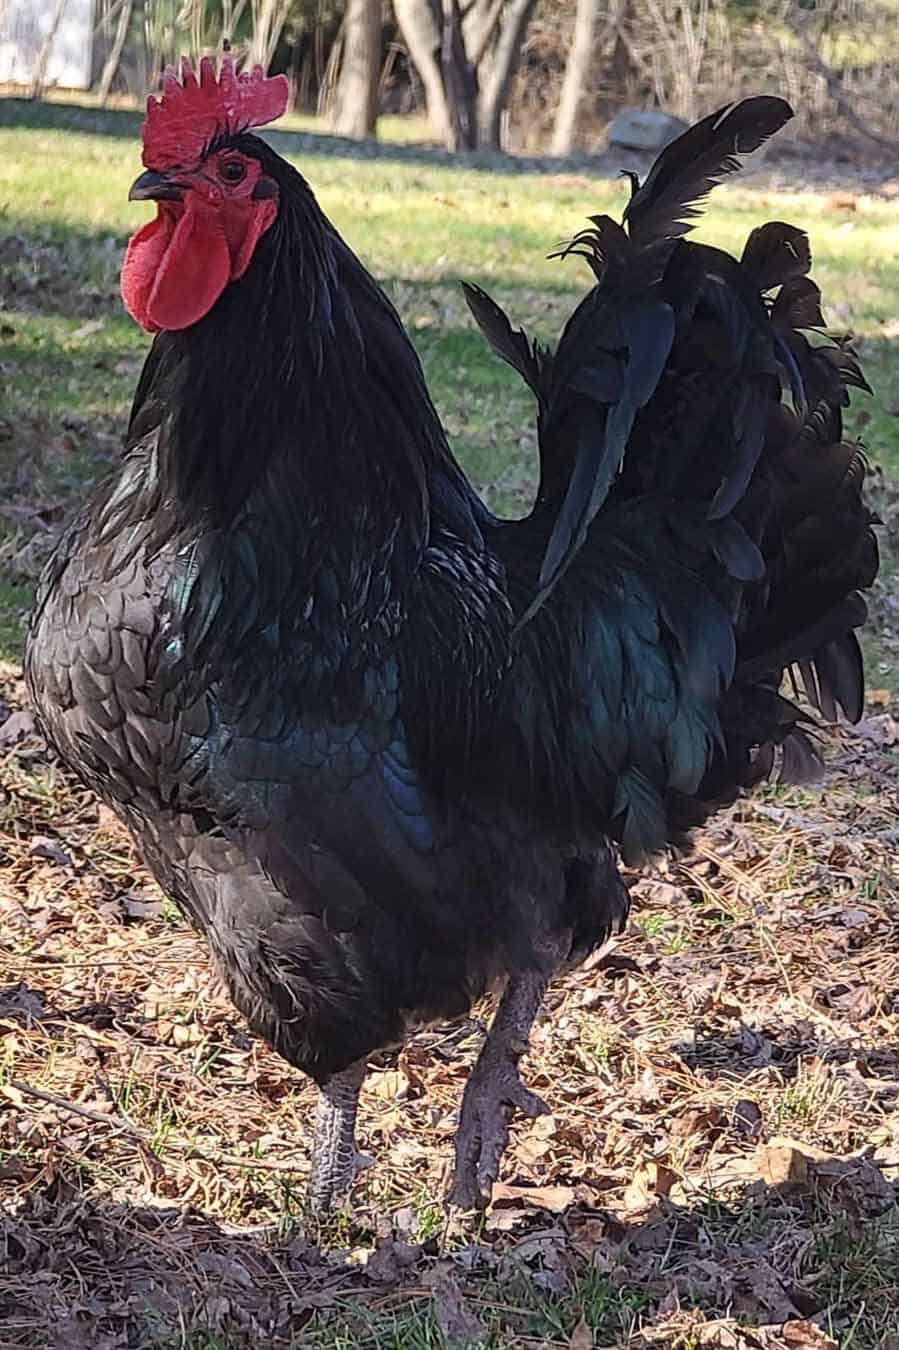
x=334, y=1157
x=495, y=1089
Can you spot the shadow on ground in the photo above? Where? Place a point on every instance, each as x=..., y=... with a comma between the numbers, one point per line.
x=804, y=166
x=739, y=1057
x=80, y=1272
x=125, y=124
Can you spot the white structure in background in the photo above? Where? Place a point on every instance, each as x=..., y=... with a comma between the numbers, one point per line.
x=25, y=26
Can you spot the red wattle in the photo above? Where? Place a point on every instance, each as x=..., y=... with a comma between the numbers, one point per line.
x=177, y=265
x=175, y=268
x=143, y=258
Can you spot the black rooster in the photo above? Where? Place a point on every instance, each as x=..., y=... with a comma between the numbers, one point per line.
x=378, y=744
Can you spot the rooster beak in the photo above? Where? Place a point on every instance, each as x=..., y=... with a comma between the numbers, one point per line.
x=154, y=187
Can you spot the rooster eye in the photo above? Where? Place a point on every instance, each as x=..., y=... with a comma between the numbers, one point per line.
x=233, y=170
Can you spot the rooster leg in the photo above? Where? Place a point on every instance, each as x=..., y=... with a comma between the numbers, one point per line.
x=495, y=1089
x=334, y=1158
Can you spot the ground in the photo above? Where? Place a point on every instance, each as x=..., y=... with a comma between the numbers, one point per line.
x=720, y=1164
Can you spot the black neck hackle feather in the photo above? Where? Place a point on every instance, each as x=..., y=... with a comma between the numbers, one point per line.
x=302, y=354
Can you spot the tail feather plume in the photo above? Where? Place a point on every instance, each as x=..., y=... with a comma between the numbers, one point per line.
x=685, y=173
x=698, y=398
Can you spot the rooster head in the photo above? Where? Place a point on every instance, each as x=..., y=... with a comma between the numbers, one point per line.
x=214, y=199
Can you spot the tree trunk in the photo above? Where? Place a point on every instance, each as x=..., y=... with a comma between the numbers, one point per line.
x=835, y=88
x=232, y=12
x=458, y=81
x=495, y=92
x=43, y=57
x=479, y=23
x=449, y=50
x=269, y=17
x=111, y=64
x=422, y=37
x=577, y=73
x=356, y=102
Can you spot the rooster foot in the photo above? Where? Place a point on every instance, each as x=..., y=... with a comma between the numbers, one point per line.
x=493, y=1093
x=495, y=1090
x=335, y=1160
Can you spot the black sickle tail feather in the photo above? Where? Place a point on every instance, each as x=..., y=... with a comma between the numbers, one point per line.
x=776, y=253
x=510, y=344
x=820, y=553
x=634, y=319
x=685, y=173
x=645, y=332
x=696, y=395
x=616, y=346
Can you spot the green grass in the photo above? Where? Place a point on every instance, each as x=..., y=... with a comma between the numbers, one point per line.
x=856, y=1265
x=57, y=104
x=515, y=1311
x=70, y=357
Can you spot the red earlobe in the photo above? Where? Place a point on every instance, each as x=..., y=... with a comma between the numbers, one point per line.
x=263, y=216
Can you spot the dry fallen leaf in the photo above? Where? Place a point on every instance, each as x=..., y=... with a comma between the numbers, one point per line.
x=648, y=1087
x=784, y=1162
x=389, y=1259
x=186, y=1033
x=881, y=729
x=16, y=728
x=140, y=905
x=759, y=1294
x=581, y=1338
x=21, y=1002
x=12, y=1094
x=855, y=1185
x=43, y=847
x=696, y=1121
x=588, y=1236
x=722, y=1335
x=651, y=1181
x=806, y=1336
x=747, y=1118
x=554, y=1199
x=390, y=1085
x=453, y=1315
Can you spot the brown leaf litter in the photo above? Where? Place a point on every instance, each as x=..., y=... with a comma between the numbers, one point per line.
x=719, y=1167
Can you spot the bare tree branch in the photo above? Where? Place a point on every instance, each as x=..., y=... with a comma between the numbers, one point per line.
x=269, y=17
x=496, y=88
x=356, y=100
x=422, y=37
x=43, y=57
x=574, y=82
x=111, y=64
x=835, y=89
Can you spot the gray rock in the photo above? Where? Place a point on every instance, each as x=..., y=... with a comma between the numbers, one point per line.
x=644, y=129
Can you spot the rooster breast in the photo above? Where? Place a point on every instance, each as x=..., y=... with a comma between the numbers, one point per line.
x=344, y=897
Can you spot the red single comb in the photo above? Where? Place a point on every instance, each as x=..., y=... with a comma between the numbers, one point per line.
x=190, y=113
